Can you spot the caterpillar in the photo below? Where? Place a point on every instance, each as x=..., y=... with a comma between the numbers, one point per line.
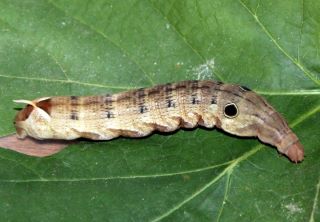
x=137, y=113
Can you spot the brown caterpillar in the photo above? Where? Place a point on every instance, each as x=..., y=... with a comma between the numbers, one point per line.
x=137, y=113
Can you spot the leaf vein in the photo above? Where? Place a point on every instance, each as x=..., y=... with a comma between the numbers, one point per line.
x=230, y=168
x=99, y=32
x=22, y=165
x=301, y=28
x=68, y=82
x=227, y=170
x=315, y=202
x=227, y=188
x=42, y=179
x=188, y=44
x=301, y=92
x=305, y=71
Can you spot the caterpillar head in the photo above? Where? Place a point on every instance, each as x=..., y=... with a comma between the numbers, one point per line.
x=244, y=113
x=34, y=118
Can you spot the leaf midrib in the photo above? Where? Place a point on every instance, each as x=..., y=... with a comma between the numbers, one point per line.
x=69, y=81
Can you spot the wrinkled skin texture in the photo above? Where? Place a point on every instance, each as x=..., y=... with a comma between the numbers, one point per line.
x=257, y=118
x=137, y=113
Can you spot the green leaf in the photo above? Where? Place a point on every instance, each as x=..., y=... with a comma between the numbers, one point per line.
x=64, y=47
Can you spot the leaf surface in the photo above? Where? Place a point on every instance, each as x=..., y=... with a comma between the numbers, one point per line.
x=68, y=47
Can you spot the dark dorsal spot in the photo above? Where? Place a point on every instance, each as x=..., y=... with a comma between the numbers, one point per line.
x=168, y=88
x=195, y=101
x=180, y=87
x=171, y=103
x=74, y=115
x=110, y=115
x=141, y=93
x=194, y=84
x=108, y=102
x=143, y=109
x=231, y=110
x=245, y=88
x=213, y=100
x=74, y=103
x=74, y=98
x=45, y=105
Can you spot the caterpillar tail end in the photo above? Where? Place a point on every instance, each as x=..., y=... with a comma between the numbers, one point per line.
x=295, y=152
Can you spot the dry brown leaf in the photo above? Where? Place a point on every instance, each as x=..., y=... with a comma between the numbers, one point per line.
x=33, y=147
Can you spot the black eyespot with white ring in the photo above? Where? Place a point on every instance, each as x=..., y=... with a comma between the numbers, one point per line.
x=231, y=110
